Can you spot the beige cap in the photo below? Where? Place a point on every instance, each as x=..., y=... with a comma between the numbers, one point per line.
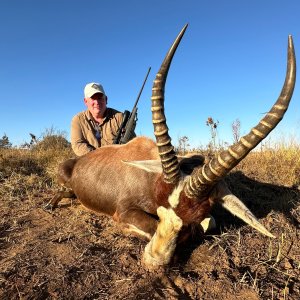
x=92, y=89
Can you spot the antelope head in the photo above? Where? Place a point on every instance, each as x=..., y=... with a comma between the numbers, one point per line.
x=206, y=182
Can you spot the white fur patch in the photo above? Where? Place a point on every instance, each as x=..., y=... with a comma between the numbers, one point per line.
x=159, y=251
x=174, y=197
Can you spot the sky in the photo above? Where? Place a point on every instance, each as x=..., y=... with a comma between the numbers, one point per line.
x=230, y=64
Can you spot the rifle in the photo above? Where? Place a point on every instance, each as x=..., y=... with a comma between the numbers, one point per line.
x=128, y=124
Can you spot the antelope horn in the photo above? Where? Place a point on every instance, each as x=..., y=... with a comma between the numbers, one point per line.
x=205, y=177
x=166, y=151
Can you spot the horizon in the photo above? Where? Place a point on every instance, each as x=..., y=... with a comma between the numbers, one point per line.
x=230, y=64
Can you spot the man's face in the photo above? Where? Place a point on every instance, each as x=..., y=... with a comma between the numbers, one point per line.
x=96, y=104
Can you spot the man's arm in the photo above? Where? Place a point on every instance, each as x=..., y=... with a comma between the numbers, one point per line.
x=79, y=144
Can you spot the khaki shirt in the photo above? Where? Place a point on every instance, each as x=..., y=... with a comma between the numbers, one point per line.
x=87, y=135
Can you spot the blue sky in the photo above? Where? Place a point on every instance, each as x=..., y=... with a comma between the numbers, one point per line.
x=230, y=64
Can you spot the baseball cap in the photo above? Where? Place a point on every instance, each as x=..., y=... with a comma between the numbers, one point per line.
x=93, y=88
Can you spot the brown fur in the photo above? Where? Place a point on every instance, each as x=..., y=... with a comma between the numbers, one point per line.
x=192, y=210
x=104, y=183
x=162, y=190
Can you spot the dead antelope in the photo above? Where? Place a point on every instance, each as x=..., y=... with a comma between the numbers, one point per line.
x=145, y=187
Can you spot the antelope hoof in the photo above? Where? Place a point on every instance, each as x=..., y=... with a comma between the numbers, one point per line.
x=49, y=207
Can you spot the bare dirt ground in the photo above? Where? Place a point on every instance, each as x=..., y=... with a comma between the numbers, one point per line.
x=73, y=253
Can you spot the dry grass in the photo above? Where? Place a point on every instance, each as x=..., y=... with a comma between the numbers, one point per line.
x=75, y=254
x=30, y=163
x=280, y=165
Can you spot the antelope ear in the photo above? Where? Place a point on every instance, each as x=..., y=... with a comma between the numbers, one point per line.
x=235, y=206
x=153, y=166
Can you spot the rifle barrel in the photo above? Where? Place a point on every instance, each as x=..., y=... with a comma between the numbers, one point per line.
x=139, y=95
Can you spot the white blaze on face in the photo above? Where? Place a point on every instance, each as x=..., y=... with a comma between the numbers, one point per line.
x=174, y=197
x=159, y=251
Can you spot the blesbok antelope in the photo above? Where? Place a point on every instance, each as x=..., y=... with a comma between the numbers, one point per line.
x=145, y=187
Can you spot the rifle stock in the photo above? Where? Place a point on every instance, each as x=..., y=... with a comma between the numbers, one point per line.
x=129, y=128
x=126, y=115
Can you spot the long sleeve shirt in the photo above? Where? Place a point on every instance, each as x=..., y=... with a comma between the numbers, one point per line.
x=88, y=135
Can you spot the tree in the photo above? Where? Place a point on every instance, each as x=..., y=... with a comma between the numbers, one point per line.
x=51, y=142
x=32, y=142
x=236, y=128
x=183, y=144
x=4, y=142
x=51, y=139
x=213, y=126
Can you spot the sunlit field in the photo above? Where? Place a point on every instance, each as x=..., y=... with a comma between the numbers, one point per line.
x=73, y=253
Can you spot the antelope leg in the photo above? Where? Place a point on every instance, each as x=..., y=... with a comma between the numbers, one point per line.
x=58, y=196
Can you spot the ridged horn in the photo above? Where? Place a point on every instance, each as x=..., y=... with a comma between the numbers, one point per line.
x=204, y=178
x=166, y=151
